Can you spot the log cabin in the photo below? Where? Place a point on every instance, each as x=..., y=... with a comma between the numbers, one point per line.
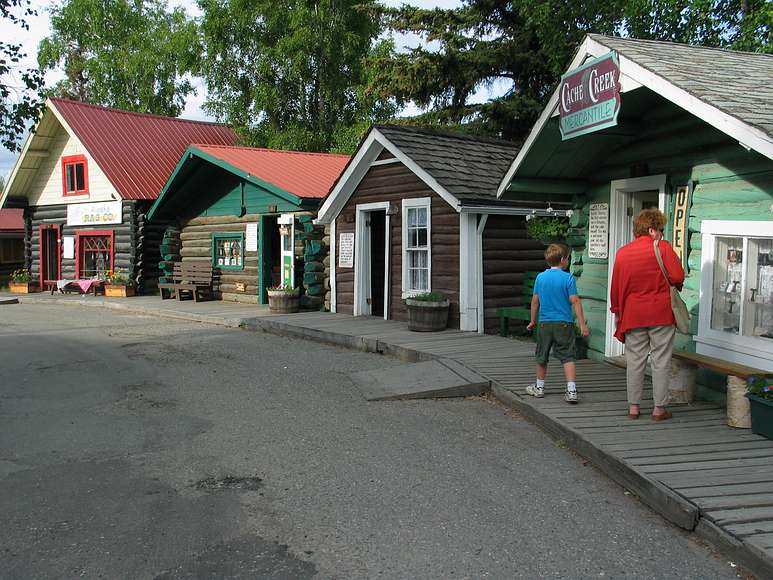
x=416, y=211
x=11, y=241
x=85, y=179
x=249, y=212
x=690, y=131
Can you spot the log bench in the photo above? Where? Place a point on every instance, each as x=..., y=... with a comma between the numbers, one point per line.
x=520, y=313
x=190, y=278
x=683, y=367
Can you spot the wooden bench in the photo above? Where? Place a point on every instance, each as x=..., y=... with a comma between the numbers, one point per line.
x=684, y=365
x=190, y=278
x=171, y=287
x=520, y=313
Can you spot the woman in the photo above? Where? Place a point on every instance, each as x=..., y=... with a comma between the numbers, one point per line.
x=640, y=298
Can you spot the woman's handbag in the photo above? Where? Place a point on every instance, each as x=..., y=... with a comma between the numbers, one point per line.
x=679, y=308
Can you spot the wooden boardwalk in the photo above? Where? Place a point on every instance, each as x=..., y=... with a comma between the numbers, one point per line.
x=693, y=469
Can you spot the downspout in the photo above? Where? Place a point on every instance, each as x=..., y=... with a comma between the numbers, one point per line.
x=479, y=277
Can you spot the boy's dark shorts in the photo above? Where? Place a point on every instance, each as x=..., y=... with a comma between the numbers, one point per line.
x=558, y=336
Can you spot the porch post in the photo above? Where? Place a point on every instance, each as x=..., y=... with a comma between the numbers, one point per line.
x=468, y=259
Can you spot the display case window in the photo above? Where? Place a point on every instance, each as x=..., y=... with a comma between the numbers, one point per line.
x=228, y=251
x=737, y=292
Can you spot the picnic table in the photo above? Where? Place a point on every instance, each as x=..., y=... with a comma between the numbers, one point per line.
x=68, y=285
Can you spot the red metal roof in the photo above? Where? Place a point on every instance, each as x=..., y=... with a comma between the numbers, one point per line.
x=307, y=175
x=12, y=219
x=136, y=151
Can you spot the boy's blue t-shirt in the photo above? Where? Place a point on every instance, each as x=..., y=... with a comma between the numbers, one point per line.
x=554, y=287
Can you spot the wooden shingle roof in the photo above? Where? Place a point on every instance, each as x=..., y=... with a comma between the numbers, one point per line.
x=468, y=167
x=738, y=83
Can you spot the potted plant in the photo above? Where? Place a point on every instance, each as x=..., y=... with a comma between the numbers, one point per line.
x=284, y=299
x=547, y=229
x=117, y=284
x=20, y=282
x=427, y=312
x=759, y=391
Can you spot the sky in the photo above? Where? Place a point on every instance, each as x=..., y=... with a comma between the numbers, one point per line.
x=39, y=28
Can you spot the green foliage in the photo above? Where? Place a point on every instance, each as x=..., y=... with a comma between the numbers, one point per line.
x=547, y=228
x=527, y=45
x=20, y=101
x=760, y=386
x=290, y=74
x=2, y=183
x=21, y=275
x=132, y=55
x=117, y=277
x=429, y=297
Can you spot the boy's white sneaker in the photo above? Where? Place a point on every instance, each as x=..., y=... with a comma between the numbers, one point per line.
x=571, y=397
x=535, y=390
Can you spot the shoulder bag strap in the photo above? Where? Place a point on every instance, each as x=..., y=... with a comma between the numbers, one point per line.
x=660, y=262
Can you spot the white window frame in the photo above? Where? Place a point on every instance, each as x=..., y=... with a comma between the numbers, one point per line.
x=747, y=350
x=417, y=202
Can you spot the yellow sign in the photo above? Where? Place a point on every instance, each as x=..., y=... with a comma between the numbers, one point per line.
x=680, y=237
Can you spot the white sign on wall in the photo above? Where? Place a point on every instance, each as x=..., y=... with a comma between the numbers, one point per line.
x=251, y=238
x=68, y=247
x=94, y=214
x=346, y=250
x=598, y=231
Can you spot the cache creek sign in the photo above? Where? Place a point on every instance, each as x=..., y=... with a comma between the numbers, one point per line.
x=589, y=97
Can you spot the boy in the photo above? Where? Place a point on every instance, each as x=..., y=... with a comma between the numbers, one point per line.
x=555, y=295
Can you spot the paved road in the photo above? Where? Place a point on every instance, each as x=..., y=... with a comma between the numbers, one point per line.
x=135, y=447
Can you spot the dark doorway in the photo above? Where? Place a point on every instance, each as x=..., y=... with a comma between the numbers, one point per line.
x=49, y=254
x=377, y=225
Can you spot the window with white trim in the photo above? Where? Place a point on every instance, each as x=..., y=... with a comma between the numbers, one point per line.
x=417, y=257
x=737, y=290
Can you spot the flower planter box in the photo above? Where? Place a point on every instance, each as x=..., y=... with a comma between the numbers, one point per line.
x=426, y=316
x=22, y=287
x=118, y=291
x=282, y=302
x=762, y=416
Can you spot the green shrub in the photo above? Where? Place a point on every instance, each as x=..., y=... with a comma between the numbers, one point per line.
x=542, y=228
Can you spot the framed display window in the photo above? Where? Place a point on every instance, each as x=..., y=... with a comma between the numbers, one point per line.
x=736, y=303
x=228, y=251
x=94, y=257
x=75, y=175
x=417, y=256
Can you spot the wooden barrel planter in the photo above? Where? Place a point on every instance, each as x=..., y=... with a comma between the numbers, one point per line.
x=284, y=301
x=427, y=315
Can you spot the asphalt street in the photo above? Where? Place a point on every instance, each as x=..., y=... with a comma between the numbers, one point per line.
x=139, y=447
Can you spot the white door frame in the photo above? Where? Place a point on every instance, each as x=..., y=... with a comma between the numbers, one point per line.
x=362, y=258
x=619, y=221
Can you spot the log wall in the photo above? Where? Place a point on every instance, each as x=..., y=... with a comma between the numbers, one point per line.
x=508, y=253
x=196, y=237
x=393, y=183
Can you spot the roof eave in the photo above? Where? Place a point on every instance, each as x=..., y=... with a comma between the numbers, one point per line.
x=366, y=154
x=747, y=135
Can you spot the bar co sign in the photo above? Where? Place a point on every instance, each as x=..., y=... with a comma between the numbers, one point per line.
x=590, y=97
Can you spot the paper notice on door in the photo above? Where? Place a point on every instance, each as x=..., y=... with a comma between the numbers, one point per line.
x=68, y=247
x=251, y=238
x=346, y=250
x=598, y=231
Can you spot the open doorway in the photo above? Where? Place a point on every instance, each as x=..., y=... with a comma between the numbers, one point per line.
x=627, y=198
x=50, y=253
x=371, y=274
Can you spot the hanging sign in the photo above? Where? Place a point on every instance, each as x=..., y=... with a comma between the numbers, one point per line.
x=94, y=214
x=589, y=97
x=251, y=238
x=598, y=231
x=681, y=215
x=346, y=250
